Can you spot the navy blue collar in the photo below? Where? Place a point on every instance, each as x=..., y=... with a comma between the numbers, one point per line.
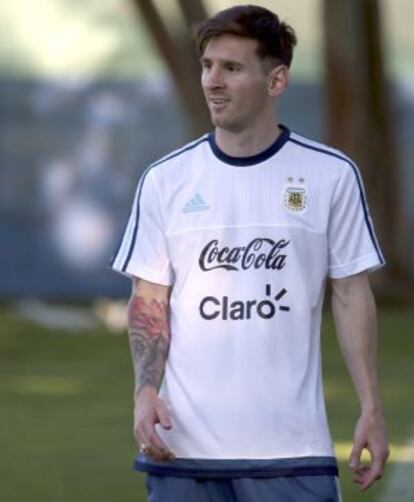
x=253, y=159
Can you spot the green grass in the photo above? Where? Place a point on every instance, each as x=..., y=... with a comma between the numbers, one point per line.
x=65, y=415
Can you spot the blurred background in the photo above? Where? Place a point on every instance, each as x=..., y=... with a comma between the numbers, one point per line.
x=91, y=92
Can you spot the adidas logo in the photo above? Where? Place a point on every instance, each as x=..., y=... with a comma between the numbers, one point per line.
x=195, y=204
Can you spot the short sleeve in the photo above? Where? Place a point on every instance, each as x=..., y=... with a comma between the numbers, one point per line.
x=352, y=244
x=143, y=251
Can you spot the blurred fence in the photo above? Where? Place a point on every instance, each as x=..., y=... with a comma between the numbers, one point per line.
x=70, y=156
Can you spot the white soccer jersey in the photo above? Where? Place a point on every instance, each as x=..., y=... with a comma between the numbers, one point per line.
x=247, y=245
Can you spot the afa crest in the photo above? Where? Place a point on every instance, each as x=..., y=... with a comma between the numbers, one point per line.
x=295, y=198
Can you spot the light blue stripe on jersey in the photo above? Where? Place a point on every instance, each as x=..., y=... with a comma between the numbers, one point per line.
x=360, y=186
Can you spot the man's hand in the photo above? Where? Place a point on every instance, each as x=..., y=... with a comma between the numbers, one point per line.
x=369, y=434
x=150, y=410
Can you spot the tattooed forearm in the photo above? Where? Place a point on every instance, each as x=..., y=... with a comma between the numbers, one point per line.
x=149, y=339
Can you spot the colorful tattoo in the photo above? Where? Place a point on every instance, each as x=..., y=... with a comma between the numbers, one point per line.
x=149, y=338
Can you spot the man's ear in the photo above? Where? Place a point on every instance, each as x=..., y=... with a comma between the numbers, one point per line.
x=278, y=80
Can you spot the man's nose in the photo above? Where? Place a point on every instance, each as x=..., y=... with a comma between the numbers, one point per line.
x=213, y=78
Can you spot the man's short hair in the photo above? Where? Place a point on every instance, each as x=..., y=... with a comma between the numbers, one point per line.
x=275, y=38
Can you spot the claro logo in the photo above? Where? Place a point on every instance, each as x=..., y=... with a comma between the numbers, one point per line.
x=226, y=308
x=258, y=253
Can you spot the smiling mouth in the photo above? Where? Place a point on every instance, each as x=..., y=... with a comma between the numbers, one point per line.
x=218, y=105
x=218, y=101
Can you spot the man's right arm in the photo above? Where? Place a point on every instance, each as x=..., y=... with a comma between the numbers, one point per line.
x=149, y=339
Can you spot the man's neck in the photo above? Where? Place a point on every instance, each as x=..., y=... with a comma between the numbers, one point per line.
x=248, y=142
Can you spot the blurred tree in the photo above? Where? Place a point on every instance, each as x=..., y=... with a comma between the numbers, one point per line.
x=359, y=122
x=179, y=54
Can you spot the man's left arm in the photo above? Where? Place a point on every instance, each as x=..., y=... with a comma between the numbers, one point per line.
x=354, y=311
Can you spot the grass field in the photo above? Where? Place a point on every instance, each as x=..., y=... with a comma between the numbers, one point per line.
x=65, y=417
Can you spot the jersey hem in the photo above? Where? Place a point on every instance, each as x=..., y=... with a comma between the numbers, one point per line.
x=238, y=468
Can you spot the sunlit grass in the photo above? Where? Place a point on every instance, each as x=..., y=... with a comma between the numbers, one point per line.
x=40, y=385
x=399, y=453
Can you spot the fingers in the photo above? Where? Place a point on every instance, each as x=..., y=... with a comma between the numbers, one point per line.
x=365, y=476
x=163, y=416
x=355, y=457
x=154, y=446
x=146, y=435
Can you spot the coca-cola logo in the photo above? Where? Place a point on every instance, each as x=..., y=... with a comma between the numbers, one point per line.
x=258, y=253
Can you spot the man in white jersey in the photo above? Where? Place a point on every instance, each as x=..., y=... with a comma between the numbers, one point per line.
x=230, y=242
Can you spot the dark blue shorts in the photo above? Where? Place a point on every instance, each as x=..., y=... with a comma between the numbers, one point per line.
x=322, y=488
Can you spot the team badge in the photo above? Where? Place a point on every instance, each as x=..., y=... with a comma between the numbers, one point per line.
x=295, y=198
